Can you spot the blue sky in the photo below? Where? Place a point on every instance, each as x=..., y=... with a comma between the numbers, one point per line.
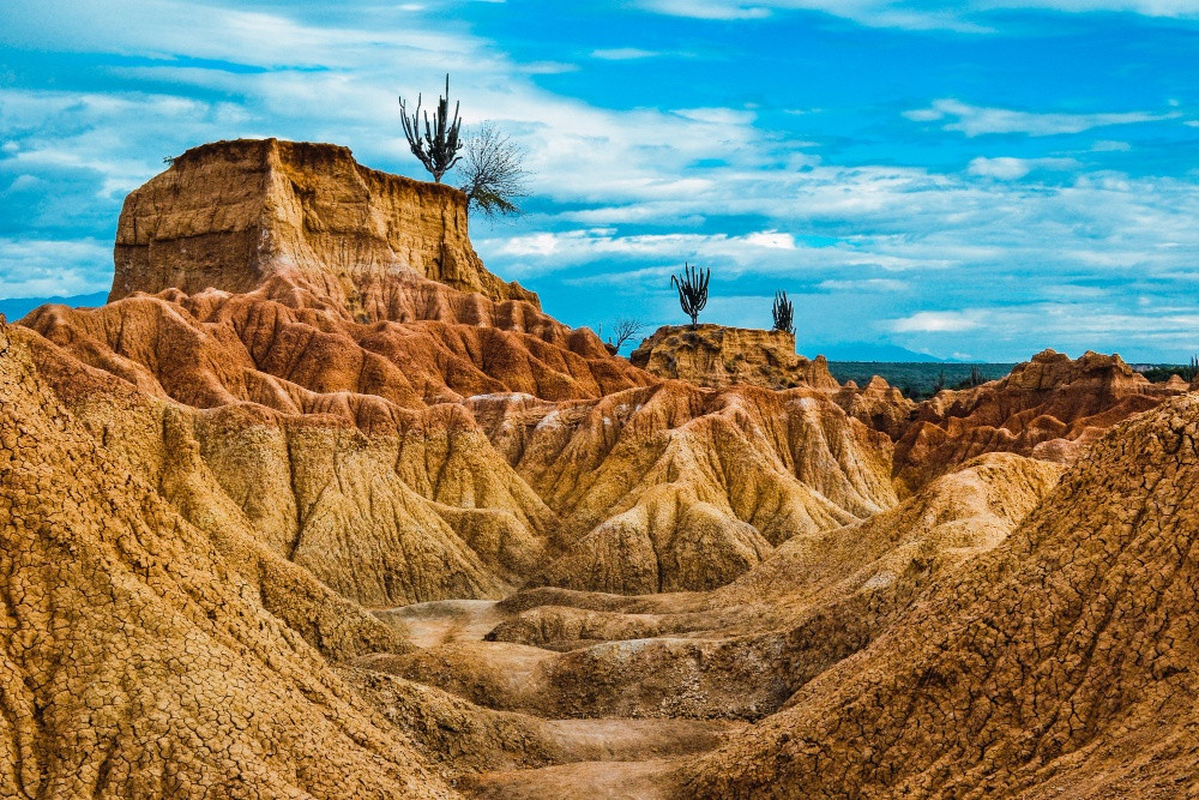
x=979, y=179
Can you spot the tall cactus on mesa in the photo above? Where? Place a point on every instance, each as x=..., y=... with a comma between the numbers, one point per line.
x=693, y=291
x=438, y=148
x=784, y=313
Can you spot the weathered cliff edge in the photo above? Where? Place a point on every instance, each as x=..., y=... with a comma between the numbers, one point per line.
x=718, y=356
x=229, y=215
x=1061, y=664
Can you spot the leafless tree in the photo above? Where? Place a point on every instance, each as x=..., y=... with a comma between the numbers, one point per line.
x=493, y=171
x=625, y=329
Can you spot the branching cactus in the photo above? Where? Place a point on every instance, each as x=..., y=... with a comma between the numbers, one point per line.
x=693, y=291
x=784, y=313
x=438, y=148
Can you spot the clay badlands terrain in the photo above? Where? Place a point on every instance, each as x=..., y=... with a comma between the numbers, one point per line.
x=316, y=506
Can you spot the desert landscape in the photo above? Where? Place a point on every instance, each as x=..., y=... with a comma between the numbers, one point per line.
x=317, y=506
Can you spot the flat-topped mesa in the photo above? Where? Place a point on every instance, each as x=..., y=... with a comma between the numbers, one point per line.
x=718, y=356
x=232, y=215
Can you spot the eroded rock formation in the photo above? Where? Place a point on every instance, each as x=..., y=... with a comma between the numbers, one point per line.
x=230, y=214
x=457, y=443
x=139, y=657
x=1050, y=407
x=308, y=398
x=879, y=405
x=718, y=356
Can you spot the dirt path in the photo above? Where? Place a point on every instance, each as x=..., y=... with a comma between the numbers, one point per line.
x=444, y=621
x=603, y=758
x=588, y=780
x=638, y=739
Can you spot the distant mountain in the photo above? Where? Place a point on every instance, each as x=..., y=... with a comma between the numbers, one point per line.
x=18, y=307
x=866, y=351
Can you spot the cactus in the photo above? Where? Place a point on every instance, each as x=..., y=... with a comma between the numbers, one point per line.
x=438, y=149
x=693, y=291
x=784, y=313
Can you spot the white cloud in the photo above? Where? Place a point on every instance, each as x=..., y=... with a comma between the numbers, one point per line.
x=959, y=17
x=772, y=240
x=709, y=9
x=538, y=244
x=923, y=114
x=978, y=120
x=718, y=116
x=866, y=285
x=937, y=322
x=543, y=67
x=47, y=268
x=1007, y=168
x=170, y=28
x=622, y=54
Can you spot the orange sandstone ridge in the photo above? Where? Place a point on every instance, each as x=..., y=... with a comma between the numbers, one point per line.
x=1050, y=407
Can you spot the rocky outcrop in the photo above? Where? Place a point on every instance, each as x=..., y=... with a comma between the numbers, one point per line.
x=308, y=397
x=675, y=487
x=741, y=650
x=1050, y=407
x=229, y=215
x=717, y=356
x=1062, y=664
x=879, y=405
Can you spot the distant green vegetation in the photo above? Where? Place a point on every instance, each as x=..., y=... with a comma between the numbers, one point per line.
x=1160, y=373
x=921, y=380
x=918, y=380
